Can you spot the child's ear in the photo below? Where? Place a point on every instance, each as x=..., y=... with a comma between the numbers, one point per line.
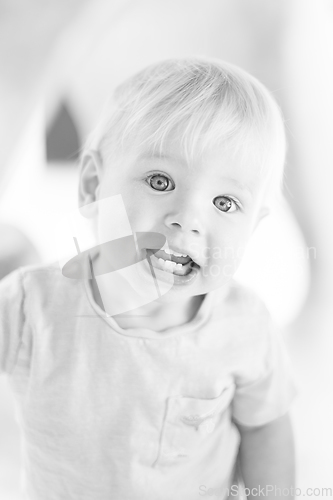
x=90, y=177
x=263, y=212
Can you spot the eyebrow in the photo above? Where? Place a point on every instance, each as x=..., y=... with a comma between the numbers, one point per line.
x=160, y=156
x=237, y=183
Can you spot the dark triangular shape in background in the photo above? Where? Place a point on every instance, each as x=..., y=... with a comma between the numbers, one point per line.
x=62, y=138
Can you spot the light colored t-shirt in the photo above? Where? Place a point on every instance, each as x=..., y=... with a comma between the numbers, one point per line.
x=108, y=413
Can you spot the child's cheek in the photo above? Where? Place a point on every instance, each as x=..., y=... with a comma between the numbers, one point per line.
x=225, y=256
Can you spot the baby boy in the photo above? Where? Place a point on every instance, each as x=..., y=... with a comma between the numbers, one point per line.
x=186, y=395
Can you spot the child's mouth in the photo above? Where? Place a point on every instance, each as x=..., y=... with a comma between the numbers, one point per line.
x=177, y=265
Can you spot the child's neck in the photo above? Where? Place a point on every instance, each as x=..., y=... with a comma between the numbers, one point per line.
x=161, y=317
x=156, y=316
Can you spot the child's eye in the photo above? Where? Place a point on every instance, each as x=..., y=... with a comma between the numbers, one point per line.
x=225, y=204
x=160, y=182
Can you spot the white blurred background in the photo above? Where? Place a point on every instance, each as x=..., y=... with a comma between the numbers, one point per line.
x=60, y=59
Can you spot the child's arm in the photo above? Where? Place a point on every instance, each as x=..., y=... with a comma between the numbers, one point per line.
x=267, y=459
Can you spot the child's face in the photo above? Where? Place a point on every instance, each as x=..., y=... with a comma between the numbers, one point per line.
x=207, y=210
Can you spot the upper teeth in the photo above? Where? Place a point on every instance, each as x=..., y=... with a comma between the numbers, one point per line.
x=168, y=264
x=176, y=254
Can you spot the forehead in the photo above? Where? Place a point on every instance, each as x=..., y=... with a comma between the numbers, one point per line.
x=242, y=165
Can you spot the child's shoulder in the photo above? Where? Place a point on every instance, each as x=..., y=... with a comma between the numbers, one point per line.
x=39, y=272
x=45, y=281
x=40, y=275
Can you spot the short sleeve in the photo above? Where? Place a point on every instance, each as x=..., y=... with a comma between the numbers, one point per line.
x=11, y=319
x=265, y=387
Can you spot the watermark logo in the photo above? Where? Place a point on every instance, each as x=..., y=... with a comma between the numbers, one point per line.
x=268, y=490
x=97, y=243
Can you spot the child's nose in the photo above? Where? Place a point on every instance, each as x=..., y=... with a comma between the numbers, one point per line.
x=186, y=218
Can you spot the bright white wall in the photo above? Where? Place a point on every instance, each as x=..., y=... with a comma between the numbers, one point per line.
x=36, y=195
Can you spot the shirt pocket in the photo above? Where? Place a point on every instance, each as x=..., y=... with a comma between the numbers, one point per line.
x=191, y=424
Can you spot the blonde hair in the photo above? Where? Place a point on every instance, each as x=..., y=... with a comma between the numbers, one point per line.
x=207, y=101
